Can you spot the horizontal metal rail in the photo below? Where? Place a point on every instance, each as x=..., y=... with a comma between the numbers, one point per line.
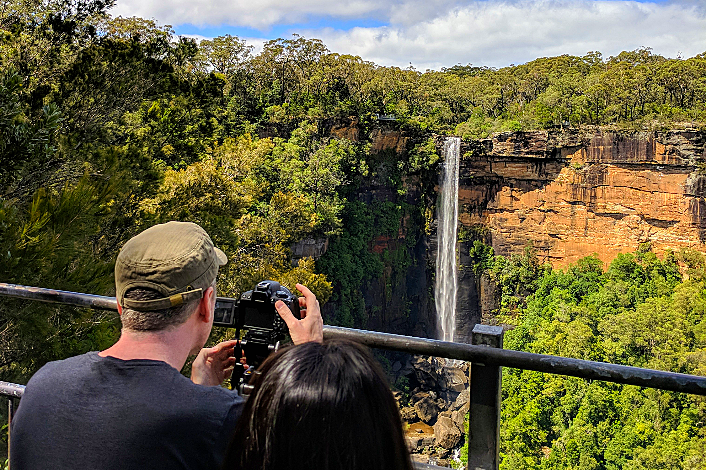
x=98, y=302
x=426, y=466
x=467, y=352
x=11, y=390
x=523, y=360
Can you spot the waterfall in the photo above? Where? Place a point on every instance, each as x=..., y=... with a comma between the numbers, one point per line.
x=446, y=273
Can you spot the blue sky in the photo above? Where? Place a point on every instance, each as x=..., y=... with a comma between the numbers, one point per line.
x=436, y=33
x=277, y=30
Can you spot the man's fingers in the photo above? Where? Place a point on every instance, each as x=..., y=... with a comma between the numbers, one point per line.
x=309, y=327
x=302, y=307
x=229, y=344
x=285, y=313
x=223, y=347
x=306, y=292
x=308, y=300
x=311, y=301
x=220, y=352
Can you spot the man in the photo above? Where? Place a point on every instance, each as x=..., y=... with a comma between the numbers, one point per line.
x=128, y=407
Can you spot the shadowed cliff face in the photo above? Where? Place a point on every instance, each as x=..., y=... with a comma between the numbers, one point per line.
x=577, y=193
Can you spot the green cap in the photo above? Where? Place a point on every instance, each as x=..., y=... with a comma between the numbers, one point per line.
x=177, y=259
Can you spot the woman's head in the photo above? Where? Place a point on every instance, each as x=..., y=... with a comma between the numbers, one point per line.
x=322, y=406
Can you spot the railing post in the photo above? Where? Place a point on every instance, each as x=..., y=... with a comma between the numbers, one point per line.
x=10, y=411
x=484, y=411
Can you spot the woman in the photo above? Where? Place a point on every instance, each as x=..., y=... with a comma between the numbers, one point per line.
x=320, y=406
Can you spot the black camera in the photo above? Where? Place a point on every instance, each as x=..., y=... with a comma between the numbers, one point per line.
x=255, y=312
x=256, y=309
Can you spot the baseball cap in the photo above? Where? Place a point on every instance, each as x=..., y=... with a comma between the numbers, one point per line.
x=176, y=259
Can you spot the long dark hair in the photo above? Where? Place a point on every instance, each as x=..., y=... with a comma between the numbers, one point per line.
x=320, y=406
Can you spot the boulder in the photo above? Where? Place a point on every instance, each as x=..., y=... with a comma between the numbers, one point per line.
x=408, y=414
x=463, y=398
x=426, y=409
x=406, y=369
x=429, y=441
x=420, y=395
x=459, y=415
x=446, y=414
x=425, y=371
x=442, y=403
x=447, y=434
x=413, y=442
x=456, y=380
x=449, y=397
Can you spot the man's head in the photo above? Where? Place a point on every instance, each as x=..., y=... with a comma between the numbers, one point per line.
x=161, y=275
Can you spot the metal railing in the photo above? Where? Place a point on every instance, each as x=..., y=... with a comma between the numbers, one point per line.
x=485, y=355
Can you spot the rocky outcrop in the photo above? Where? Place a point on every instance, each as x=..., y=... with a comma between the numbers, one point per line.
x=575, y=193
x=426, y=408
x=308, y=248
x=347, y=128
x=446, y=431
x=436, y=408
x=384, y=138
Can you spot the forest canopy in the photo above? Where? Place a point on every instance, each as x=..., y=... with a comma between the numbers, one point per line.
x=642, y=311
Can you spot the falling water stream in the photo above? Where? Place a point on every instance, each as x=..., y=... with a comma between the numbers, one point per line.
x=446, y=274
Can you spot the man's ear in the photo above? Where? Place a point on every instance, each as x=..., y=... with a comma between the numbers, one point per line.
x=206, y=305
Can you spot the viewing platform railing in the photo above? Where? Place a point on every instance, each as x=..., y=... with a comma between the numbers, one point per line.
x=485, y=354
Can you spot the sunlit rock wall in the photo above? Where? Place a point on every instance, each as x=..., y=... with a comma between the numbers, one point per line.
x=573, y=193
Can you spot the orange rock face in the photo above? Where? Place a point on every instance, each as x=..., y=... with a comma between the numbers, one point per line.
x=346, y=129
x=574, y=194
x=388, y=139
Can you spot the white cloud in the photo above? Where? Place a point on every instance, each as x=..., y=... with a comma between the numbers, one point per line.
x=497, y=34
x=432, y=34
x=196, y=37
x=260, y=14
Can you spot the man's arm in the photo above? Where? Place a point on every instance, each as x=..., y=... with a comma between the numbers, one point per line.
x=311, y=326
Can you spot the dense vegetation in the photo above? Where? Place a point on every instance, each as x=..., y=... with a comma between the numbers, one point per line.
x=641, y=311
x=109, y=125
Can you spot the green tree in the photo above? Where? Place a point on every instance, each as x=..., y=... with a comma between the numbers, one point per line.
x=227, y=54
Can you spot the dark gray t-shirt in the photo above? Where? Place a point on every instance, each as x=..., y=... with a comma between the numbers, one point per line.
x=101, y=413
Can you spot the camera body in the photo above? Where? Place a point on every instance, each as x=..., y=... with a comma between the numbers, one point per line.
x=255, y=309
x=255, y=312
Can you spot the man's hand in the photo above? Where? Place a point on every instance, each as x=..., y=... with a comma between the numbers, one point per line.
x=311, y=326
x=214, y=365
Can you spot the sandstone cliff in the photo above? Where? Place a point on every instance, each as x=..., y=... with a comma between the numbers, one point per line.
x=574, y=193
